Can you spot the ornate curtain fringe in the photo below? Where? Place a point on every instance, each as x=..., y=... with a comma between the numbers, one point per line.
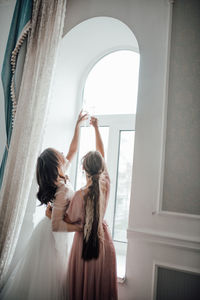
x=13, y=62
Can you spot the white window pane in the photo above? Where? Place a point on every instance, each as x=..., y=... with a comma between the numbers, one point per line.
x=123, y=185
x=87, y=143
x=121, y=249
x=112, y=84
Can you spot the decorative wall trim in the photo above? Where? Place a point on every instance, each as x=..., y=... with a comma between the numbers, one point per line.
x=176, y=267
x=175, y=240
x=157, y=264
x=154, y=281
x=157, y=205
x=176, y=215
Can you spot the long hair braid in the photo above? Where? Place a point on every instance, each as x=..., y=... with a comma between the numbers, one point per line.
x=93, y=165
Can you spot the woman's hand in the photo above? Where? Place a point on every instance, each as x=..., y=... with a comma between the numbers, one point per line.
x=66, y=219
x=48, y=211
x=74, y=143
x=94, y=122
x=99, y=142
x=81, y=117
x=71, y=227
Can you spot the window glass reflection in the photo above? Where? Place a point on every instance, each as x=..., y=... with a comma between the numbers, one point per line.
x=112, y=84
x=123, y=185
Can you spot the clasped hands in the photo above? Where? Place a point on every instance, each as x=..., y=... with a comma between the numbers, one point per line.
x=48, y=213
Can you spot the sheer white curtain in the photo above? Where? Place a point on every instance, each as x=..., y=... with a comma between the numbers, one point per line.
x=46, y=32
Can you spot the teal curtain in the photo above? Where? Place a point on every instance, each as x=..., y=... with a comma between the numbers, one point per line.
x=22, y=15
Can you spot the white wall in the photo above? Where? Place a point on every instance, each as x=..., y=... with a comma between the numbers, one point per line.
x=154, y=237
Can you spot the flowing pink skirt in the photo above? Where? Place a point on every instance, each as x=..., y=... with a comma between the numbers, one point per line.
x=95, y=279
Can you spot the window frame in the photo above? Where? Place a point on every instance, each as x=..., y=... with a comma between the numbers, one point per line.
x=116, y=123
x=117, y=181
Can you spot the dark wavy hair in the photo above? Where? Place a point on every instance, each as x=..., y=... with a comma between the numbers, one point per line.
x=93, y=164
x=47, y=174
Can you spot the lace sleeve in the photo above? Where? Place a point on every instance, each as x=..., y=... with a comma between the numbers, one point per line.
x=61, y=202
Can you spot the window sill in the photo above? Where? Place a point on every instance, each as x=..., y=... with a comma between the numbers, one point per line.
x=121, y=280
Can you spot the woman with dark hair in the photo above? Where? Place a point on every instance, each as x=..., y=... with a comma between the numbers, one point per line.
x=40, y=273
x=92, y=263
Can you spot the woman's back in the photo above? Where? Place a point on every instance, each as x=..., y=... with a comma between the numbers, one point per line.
x=95, y=278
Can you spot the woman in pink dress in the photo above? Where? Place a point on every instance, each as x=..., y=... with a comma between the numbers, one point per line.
x=92, y=263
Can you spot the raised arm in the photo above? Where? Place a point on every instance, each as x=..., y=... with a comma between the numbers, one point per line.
x=99, y=142
x=75, y=140
x=67, y=226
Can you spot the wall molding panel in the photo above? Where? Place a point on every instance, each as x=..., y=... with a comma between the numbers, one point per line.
x=171, y=266
x=177, y=215
x=157, y=204
x=158, y=237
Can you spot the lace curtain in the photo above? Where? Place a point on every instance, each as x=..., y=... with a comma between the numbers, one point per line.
x=32, y=107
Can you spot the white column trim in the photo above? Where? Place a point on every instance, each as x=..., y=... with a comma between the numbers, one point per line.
x=157, y=205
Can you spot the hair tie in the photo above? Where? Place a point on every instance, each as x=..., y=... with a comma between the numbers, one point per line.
x=95, y=176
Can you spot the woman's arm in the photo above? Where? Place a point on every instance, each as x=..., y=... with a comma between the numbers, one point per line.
x=99, y=142
x=100, y=148
x=67, y=226
x=75, y=140
x=73, y=228
x=56, y=213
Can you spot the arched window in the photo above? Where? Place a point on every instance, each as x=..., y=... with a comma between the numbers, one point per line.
x=110, y=93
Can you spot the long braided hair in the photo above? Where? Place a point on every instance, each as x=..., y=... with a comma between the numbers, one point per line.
x=47, y=174
x=93, y=165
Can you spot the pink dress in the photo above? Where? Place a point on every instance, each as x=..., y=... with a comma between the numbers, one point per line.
x=95, y=279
